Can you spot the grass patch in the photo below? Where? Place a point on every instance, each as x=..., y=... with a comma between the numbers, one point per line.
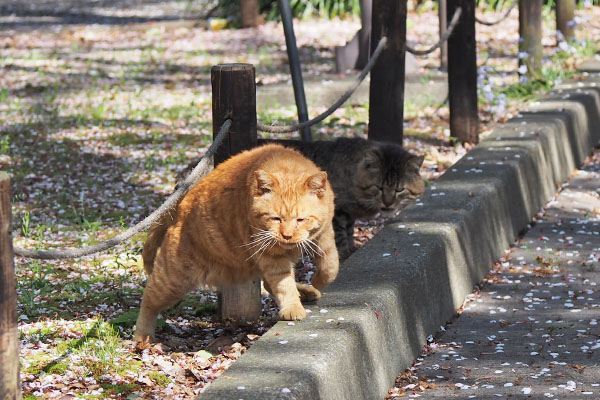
x=120, y=390
x=159, y=378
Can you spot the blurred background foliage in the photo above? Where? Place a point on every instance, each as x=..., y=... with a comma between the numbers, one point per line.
x=340, y=8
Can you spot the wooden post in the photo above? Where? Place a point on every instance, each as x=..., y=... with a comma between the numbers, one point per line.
x=443, y=17
x=530, y=42
x=249, y=13
x=10, y=386
x=234, y=97
x=565, y=13
x=386, y=93
x=462, y=73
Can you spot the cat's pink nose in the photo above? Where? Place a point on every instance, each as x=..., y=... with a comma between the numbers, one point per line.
x=286, y=237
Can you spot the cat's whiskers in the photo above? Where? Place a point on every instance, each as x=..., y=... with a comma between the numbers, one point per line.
x=267, y=248
x=257, y=241
x=267, y=243
x=311, y=247
x=314, y=247
x=258, y=238
x=261, y=233
x=303, y=249
x=300, y=247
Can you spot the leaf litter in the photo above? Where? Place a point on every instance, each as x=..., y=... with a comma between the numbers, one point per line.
x=113, y=111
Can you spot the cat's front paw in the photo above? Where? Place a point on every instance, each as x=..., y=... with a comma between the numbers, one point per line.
x=142, y=341
x=308, y=293
x=292, y=312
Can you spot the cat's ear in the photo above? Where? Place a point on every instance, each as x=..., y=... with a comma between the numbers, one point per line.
x=264, y=182
x=372, y=159
x=317, y=183
x=415, y=162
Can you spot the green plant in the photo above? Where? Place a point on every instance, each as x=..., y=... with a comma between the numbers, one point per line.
x=497, y=5
x=159, y=378
x=323, y=8
x=25, y=221
x=3, y=95
x=4, y=144
x=300, y=9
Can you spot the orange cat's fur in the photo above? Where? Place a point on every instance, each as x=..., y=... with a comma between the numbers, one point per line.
x=253, y=215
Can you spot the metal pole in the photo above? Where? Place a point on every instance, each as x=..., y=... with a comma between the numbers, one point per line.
x=294, y=59
x=443, y=16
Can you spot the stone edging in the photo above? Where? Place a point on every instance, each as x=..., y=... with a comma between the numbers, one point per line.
x=411, y=277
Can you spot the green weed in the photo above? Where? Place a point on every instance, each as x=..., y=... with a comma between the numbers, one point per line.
x=159, y=378
x=121, y=390
x=4, y=144
x=3, y=95
x=25, y=221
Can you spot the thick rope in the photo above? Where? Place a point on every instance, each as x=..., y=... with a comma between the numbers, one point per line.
x=443, y=38
x=198, y=172
x=502, y=18
x=336, y=105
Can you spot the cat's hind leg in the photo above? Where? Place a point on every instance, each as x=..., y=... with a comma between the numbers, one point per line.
x=163, y=290
x=308, y=292
x=327, y=261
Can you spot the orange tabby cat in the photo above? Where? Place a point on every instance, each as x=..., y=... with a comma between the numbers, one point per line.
x=253, y=215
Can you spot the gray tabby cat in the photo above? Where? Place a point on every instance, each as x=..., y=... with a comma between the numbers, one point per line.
x=367, y=177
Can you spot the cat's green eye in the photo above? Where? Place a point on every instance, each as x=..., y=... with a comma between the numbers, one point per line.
x=400, y=190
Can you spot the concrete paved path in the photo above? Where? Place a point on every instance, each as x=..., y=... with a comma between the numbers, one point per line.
x=532, y=331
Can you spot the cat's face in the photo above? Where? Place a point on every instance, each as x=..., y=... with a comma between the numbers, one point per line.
x=288, y=209
x=388, y=188
x=402, y=185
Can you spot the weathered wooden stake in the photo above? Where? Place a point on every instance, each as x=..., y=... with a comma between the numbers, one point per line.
x=10, y=386
x=443, y=17
x=530, y=42
x=234, y=97
x=565, y=13
x=249, y=13
x=386, y=93
x=462, y=73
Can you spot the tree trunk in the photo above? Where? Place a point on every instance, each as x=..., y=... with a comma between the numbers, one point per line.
x=565, y=12
x=530, y=43
x=249, y=12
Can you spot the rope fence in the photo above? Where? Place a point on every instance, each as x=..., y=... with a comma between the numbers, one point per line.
x=445, y=36
x=201, y=169
x=204, y=164
x=293, y=128
x=502, y=18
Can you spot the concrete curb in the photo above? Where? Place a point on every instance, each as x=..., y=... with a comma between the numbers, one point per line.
x=411, y=277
